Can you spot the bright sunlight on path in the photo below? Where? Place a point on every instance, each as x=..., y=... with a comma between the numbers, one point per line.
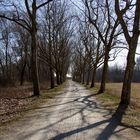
x=73, y=115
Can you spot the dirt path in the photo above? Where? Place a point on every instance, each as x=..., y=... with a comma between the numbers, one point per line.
x=73, y=115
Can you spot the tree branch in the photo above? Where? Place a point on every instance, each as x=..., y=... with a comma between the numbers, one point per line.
x=119, y=14
x=43, y=4
x=16, y=21
x=28, y=9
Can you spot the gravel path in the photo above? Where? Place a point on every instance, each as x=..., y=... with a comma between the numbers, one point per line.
x=73, y=115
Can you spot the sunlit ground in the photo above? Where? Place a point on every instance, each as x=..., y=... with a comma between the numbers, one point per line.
x=115, y=88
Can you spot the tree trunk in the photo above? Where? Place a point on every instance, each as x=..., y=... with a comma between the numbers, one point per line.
x=104, y=73
x=132, y=42
x=52, y=77
x=22, y=74
x=83, y=77
x=57, y=78
x=61, y=79
x=51, y=69
x=29, y=73
x=6, y=59
x=34, y=65
x=93, y=77
x=50, y=51
x=34, y=47
x=126, y=90
x=88, y=76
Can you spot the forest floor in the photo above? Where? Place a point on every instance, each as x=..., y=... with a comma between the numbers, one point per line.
x=75, y=114
x=17, y=100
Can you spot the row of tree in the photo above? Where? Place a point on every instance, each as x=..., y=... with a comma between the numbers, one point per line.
x=35, y=42
x=115, y=74
x=106, y=28
x=37, y=39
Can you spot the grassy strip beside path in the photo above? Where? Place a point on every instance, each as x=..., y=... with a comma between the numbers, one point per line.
x=111, y=101
x=30, y=103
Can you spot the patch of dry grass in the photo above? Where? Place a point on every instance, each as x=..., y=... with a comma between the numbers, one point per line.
x=15, y=101
x=115, y=89
x=50, y=93
x=111, y=98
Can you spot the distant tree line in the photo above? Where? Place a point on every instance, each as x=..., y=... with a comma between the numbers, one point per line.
x=116, y=74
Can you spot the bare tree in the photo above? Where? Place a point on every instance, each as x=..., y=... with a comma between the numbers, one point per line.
x=31, y=26
x=57, y=32
x=131, y=36
x=22, y=50
x=101, y=16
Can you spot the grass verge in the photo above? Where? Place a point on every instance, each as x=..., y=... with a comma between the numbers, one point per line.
x=50, y=93
x=30, y=104
x=111, y=101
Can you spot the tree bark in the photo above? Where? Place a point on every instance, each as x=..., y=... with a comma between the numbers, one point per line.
x=34, y=50
x=57, y=78
x=50, y=50
x=83, y=77
x=22, y=74
x=132, y=43
x=126, y=90
x=34, y=64
x=88, y=76
x=61, y=78
x=104, y=73
x=6, y=59
x=93, y=77
x=52, y=78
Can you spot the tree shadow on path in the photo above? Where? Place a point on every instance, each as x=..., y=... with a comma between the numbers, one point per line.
x=88, y=103
x=107, y=132
x=114, y=121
